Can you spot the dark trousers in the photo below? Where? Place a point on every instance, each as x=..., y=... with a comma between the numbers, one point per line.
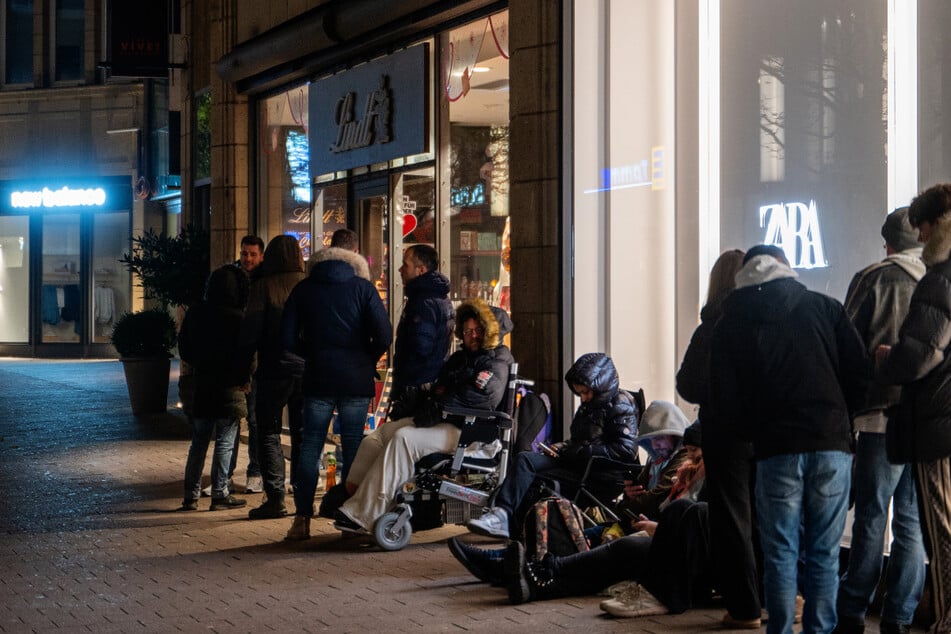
x=674, y=565
x=273, y=395
x=933, y=480
x=253, y=465
x=729, y=486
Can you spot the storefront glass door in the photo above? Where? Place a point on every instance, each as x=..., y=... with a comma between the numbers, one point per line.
x=61, y=312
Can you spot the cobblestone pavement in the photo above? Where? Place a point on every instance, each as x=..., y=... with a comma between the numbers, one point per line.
x=90, y=539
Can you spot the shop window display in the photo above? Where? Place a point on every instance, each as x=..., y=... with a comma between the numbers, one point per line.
x=14, y=279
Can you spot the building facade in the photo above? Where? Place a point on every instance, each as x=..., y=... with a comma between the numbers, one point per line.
x=74, y=183
x=581, y=164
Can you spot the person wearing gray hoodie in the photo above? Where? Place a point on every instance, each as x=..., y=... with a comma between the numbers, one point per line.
x=787, y=367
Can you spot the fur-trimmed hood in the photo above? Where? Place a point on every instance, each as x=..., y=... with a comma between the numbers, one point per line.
x=356, y=261
x=938, y=247
x=495, y=322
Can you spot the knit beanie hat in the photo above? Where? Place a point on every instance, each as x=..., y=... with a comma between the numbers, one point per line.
x=898, y=232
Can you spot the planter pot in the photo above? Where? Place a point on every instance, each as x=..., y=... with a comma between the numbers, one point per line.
x=147, y=380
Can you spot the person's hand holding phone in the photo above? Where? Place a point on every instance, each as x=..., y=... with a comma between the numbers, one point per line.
x=548, y=450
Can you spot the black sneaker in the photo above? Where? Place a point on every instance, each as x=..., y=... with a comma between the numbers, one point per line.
x=230, y=502
x=514, y=567
x=849, y=625
x=344, y=523
x=189, y=505
x=268, y=511
x=887, y=627
x=485, y=565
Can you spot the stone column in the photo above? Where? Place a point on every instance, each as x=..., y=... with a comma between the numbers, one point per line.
x=229, y=143
x=535, y=110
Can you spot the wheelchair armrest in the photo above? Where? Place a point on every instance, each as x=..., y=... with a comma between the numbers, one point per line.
x=471, y=415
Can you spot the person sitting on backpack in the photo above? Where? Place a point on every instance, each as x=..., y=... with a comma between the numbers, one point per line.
x=604, y=425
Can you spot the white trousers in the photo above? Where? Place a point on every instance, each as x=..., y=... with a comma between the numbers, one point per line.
x=386, y=460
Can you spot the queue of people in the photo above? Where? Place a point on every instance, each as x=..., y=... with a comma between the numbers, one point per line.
x=804, y=405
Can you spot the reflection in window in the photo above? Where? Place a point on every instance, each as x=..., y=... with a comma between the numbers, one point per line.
x=110, y=295
x=14, y=278
x=60, y=302
x=69, y=40
x=19, y=41
x=772, y=133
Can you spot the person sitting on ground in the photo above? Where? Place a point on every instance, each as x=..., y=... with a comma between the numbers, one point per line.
x=474, y=377
x=222, y=363
x=604, y=425
x=661, y=436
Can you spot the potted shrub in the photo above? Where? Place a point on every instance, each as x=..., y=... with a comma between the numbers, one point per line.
x=144, y=341
x=171, y=271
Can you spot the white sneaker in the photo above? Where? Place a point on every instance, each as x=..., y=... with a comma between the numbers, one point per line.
x=254, y=485
x=206, y=492
x=493, y=523
x=633, y=601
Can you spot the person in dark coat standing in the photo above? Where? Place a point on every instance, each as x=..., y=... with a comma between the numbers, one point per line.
x=424, y=333
x=604, y=425
x=279, y=372
x=728, y=462
x=222, y=362
x=787, y=366
x=919, y=428
x=336, y=321
x=877, y=303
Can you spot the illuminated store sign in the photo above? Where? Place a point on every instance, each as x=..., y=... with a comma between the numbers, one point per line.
x=373, y=127
x=794, y=227
x=63, y=197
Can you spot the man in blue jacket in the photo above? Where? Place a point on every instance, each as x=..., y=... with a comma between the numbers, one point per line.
x=424, y=334
x=336, y=321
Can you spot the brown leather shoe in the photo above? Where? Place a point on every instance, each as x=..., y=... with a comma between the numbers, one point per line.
x=299, y=530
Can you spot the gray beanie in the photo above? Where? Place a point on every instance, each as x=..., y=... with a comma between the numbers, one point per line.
x=898, y=232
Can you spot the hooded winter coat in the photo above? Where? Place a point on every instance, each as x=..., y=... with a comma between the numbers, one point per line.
x=607, y=424
x=281, y=270
x=211, y=341
x=919, y=428
x=424, y=334
x=336, y=321
x=475, y=380
x=786, y=364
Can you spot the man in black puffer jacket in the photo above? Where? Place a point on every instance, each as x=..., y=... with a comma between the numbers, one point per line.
x=336, y=321
x=919, y=428
x=604, y=425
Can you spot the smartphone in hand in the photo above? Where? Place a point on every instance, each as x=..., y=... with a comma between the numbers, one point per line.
x=548, y=450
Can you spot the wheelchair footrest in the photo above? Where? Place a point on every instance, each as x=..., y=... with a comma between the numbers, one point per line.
x=456, y=491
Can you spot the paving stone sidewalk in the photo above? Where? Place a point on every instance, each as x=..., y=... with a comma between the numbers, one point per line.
x=90, y=539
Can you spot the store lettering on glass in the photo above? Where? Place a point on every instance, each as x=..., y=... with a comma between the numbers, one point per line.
x=374, y=127
x=299, y=216
x=794, y=228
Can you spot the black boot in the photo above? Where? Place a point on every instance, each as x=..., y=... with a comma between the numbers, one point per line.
x=485, y=565
x=528, y=580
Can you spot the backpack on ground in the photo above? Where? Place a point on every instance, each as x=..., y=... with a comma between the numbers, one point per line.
x=532, y=421
x=554, y=525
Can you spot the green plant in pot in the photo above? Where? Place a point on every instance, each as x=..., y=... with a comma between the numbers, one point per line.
x=144, y=341
x=171, y=271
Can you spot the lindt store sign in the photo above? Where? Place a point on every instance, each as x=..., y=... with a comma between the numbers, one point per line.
x=373, y=113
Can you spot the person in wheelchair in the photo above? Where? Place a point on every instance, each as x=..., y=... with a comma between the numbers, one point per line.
x=604, y=425
x=474, y=377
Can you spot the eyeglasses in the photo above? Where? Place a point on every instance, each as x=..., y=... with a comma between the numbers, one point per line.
x=472, y=332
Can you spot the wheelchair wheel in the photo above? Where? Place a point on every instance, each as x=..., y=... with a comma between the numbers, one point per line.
x=386, y=537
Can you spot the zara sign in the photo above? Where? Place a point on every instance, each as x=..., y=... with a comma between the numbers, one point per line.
x=794, y=227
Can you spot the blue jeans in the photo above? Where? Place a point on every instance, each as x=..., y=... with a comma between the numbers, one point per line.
x=254, y=469
x=318, y=412
x=809, y=490
x=876, y=482
x=225, y=431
